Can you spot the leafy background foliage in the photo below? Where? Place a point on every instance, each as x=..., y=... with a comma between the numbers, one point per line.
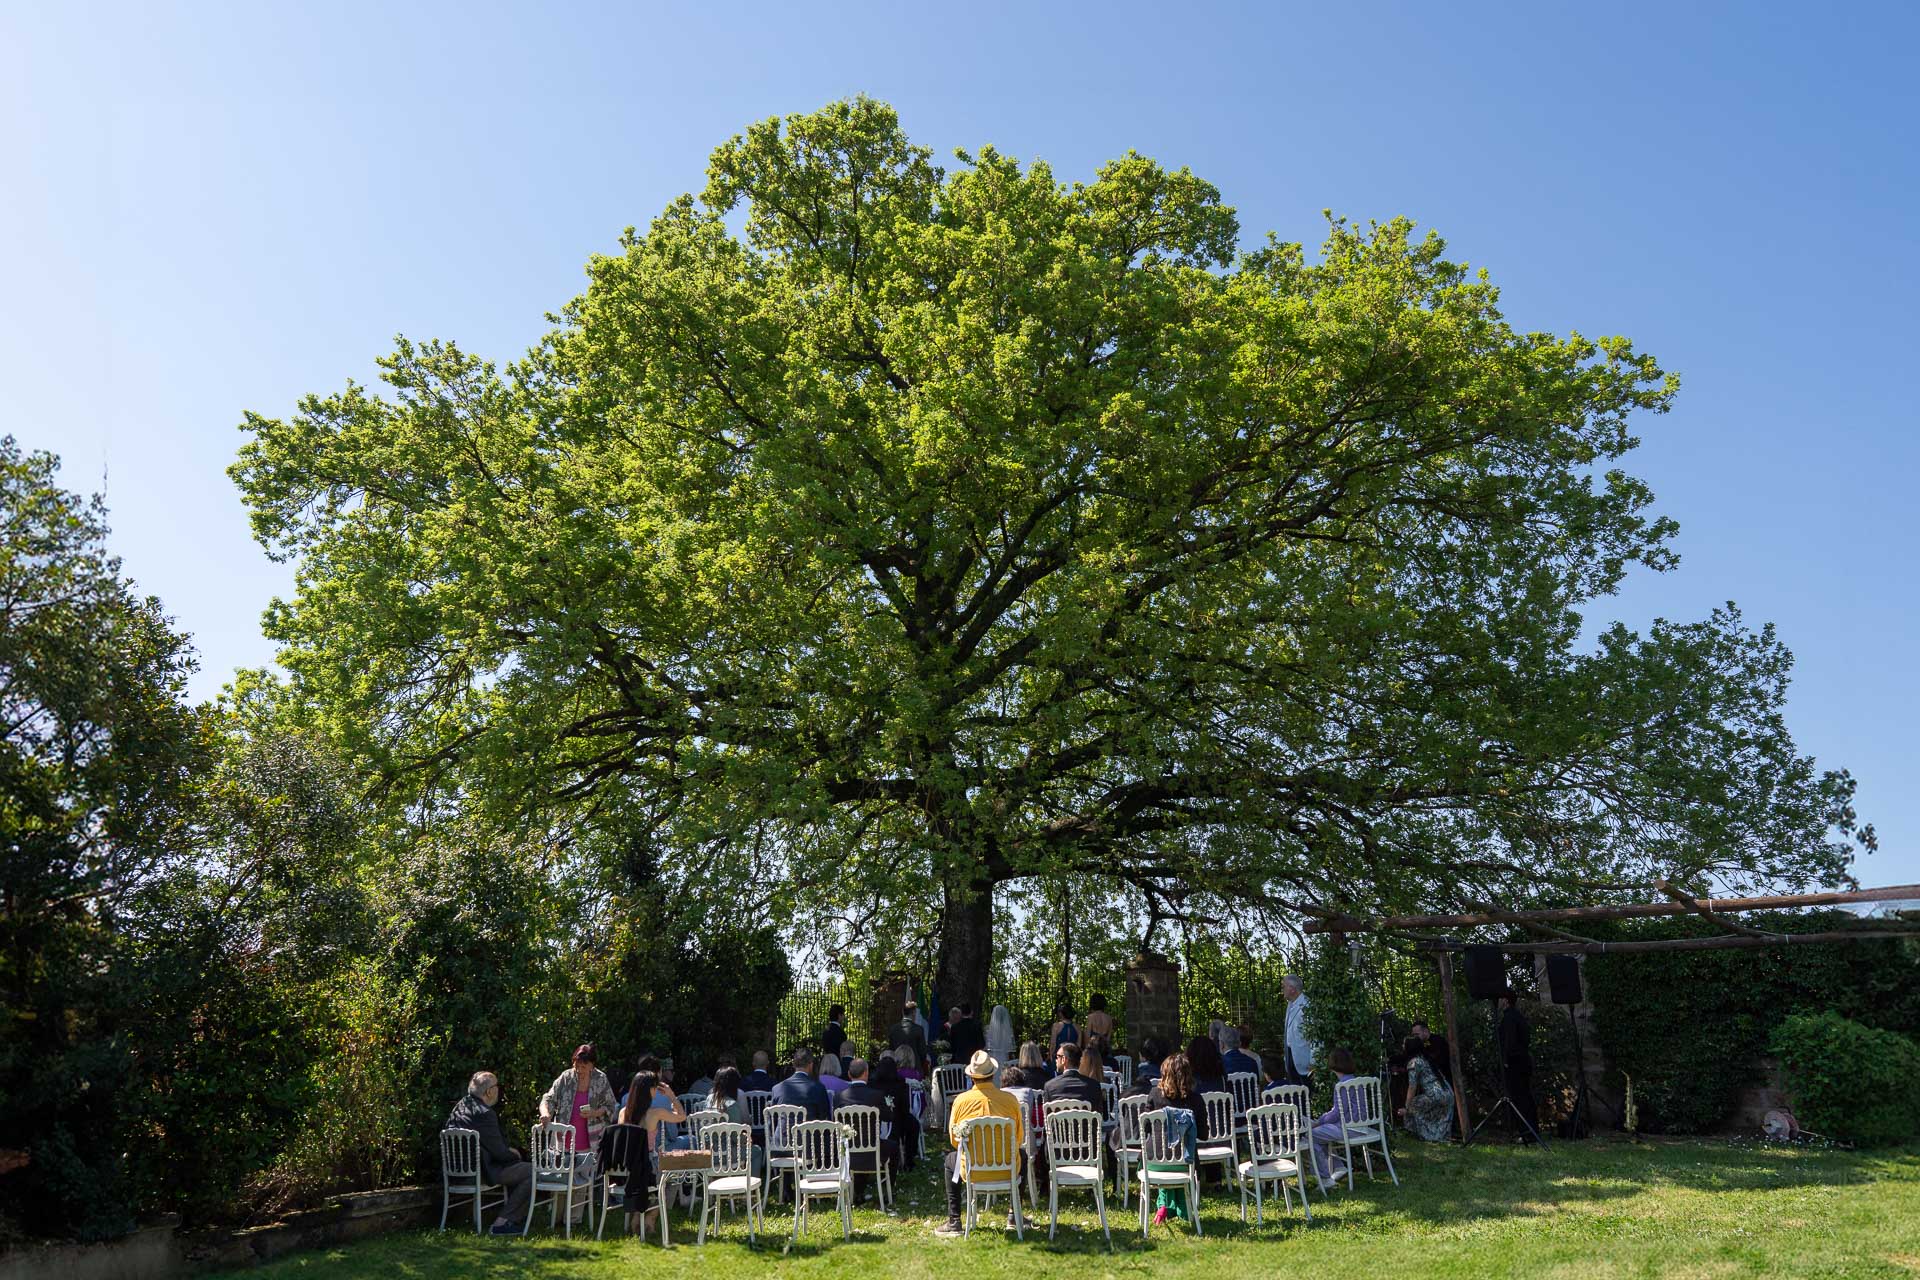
x=1850, y=1081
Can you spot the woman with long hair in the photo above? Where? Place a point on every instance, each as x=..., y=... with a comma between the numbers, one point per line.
x=1175, y=1094
x=1209, y=1070
x=1033, y=1064
x=1428, y=1114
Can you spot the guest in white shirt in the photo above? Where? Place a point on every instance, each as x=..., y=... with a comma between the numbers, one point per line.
x=1299, y=1049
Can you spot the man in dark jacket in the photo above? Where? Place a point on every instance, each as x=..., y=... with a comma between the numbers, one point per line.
x=500, y=1164
x=964, y=1037
x=1083, y=1082
x=907, y=1031
x=861, y=1093
x=834, y=1034
x=801, y=1090
x=1516, y=1063
x=758, y=1080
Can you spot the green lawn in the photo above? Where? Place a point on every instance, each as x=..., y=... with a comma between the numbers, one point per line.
x=1596, y=1209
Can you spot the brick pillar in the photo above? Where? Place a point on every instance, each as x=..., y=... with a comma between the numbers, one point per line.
x=889, y=1000
x=1153, y=1001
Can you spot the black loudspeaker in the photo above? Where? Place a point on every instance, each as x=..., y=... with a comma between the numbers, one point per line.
x=1563, y=979
x=1486, y=972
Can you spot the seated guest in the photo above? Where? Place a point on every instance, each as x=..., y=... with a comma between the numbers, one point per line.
x=1081, y=1080
x=582, y=1097
x=1153, y=1052
x=1273, y=1071
x=1175, y=1092
x=1236, y=1059
x=1142, y=1082
x=643, y=1091
x=906, y=1126
x=1209, y=1072
x=1246, y=1044
x=758, y=1080
x=704, y=1085
x=1326, y=1129
x=500, y=1164
x=801, y=1090
x=830, y=1078
x=649, y=1065
x=860, y=1092
x=983, y=1099
x=1428, y=1113
x=909, y=1061
x=1033, y=1064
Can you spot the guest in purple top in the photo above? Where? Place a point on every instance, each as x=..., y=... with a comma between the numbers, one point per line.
x=1326, y=1130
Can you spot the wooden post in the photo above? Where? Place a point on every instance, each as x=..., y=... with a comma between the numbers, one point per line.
x=1453, y=1043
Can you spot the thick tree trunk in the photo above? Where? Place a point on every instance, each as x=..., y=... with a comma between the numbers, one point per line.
x=966, y=942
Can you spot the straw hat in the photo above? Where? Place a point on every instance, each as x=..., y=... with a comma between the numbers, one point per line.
x=982, y=1066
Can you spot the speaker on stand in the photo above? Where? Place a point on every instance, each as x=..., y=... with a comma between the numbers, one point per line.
x=1487, y=980
x=1563, y=984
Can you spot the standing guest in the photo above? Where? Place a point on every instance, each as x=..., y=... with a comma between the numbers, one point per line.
x=1187, y=1127
x=1099, y=1023
x=500, y=1164
x=860, y=1092
x=1064, y=1032
x=801, y=1090
x=906, y=1126
x=1234, y=1058
x=1033, y=1064
x=908, y=1031
x=1000, y=1042
x=1209, y=1072
x=1080, y=1079
x=834, y=1034
x=1326, y=1130
x=983, y=1099
x=909, y=1062
x=582, y=1097
x=964, y=1038
x=1516, y=1063
x=1428, y=1114
x=830, y=1078
x=1299, y=1051
x=758, y=1080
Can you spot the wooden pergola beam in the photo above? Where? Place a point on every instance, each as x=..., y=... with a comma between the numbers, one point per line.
x=1730, y=941
x=1705, y=912
x=1629, y=911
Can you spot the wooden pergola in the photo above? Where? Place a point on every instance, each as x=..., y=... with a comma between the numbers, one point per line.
x=1549, y=925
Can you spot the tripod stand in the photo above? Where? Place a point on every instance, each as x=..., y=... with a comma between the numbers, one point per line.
x=1505, y=1101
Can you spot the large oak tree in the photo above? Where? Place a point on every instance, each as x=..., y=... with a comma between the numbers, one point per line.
x=869, y=532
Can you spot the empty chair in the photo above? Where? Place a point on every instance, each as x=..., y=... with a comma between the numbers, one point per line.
x=864, y=1127
x=1164, y=1166
x=697, y=1122
x=460, y=1177
x=1126, y=1150
x=1358, y=1108
x=1065, y=1104
x=550, y=1146
x=1111, y=1092
x=992, y=1147
x=692, y=1102
x=1219, y=1148
x=1275, y=1131
x=1245, y=1088
x=731, y=1177
x=756, y=1101
x=782, y=1118
x=1297, y=1096
x=821, y=1172
x=1073, y=1157
x=1124, y=1065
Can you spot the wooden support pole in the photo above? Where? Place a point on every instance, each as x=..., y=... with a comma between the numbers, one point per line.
x=1453, y=1043
x=1631, y=911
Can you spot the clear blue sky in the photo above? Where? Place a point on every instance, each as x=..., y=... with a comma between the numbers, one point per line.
x=207, y=209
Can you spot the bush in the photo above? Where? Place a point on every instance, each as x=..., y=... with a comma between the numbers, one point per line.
x=1850, y=1081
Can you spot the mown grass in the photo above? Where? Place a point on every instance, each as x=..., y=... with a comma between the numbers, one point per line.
x=1597, y=1209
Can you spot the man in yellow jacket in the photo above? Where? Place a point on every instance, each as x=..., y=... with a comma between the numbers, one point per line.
x=985, y=1099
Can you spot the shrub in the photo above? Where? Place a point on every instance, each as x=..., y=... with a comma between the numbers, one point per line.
x=1850, y=1081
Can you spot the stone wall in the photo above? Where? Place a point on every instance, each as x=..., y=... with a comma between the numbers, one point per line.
x=1153, y=1001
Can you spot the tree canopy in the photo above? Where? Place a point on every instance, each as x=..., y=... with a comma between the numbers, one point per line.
x=870, y=534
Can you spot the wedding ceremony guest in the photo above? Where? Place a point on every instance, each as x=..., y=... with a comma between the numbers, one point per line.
x=1064, y=1032
x=906, y=1126
x=1175, y=1093
x=1099, y=1022
x=964, y=1038
x=1034, y=1064
x=860, y=1092
x=1000, y=1042
x=1428, y=1114
x=1209, y=1072
x=909, y=1060
x=801, y=1090
x=830, y=1078
x=907, y=1031
x=1079, y=1080
x=582, y=1097
x=644, y=1092
x=834, y=1033
x=984, y=1099
x=1235, y=1059
x=1326, y=1129
x=1298, y=1052
x=500, y=1164
x=758, y=1080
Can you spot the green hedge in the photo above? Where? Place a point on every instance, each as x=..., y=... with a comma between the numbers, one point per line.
x=1850, y=1081
x=1692, y=1027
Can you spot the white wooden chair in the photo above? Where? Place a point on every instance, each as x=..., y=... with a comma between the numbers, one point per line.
x=551, y=1148
x=1073, y=1158
x=460, y=1177
x=782, y=1118
x=1219, y=1147
x=1362, y=1118
x=756, y=1101
x=621, y=1152
x=692, y=1102
x=949, y=1082
x=1156, y=1149
x=697, y=1123
x=731, y=1177
x=1297, y=1096
x=820, y=1146
x=992, y=1147
x=1111, y=1092
x=1064, y=1104
x=1245, y=1088
x=1126, y=1151
x=1124, y=1065
x=867, y=1129
x=917, y=1101
x=1275, y=1135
